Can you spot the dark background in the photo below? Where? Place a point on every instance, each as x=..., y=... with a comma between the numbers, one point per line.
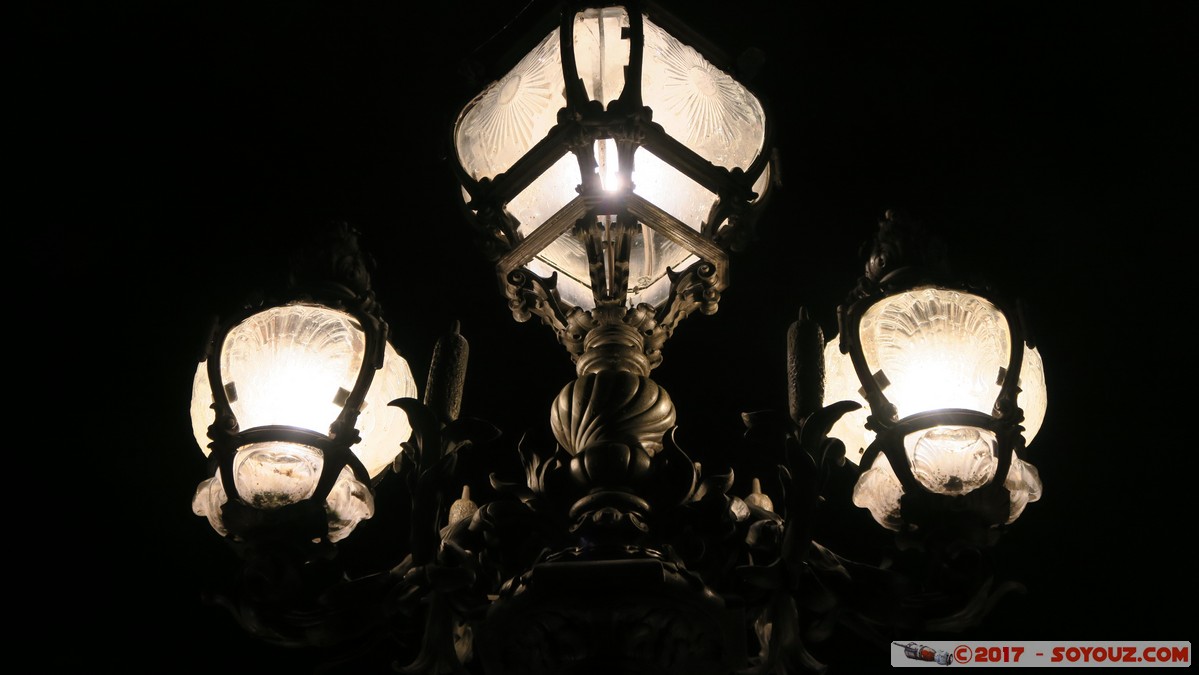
x=178, y=146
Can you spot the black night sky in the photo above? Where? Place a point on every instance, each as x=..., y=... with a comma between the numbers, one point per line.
x=176, y=145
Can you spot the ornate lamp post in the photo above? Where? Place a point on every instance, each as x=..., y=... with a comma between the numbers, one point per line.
x=609, y=172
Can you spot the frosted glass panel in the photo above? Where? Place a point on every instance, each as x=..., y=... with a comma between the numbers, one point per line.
x=699, y=104
x=1024, y=484
x=292, y=366
x=501, y=124
x=656, y=291
x=274, y=474
x=938, y=349
x=841, y=384
x=568, y=257
x=1033, y=396
x=289, y=365
x=952, y=460
x=670, y=190
x=546, y=195
x=383, y=427
x=202, y=414
x=762, y=184
x=600, y=53
x=879, y=491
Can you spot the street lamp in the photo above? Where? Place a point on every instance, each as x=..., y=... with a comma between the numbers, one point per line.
x=608, y=172
x=951, y=387
x=291, y=401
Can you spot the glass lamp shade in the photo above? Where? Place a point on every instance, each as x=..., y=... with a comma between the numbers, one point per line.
x=696, y=103
x=932, y=349
x=937, y=348
x=294, y=366
x=274, y=474
x=879, y=491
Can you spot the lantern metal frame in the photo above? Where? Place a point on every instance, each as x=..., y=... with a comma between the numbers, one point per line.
x=904, y=257
x=629, y=123
x=328, y=272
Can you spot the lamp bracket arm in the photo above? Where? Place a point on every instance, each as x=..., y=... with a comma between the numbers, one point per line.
x=530, y=294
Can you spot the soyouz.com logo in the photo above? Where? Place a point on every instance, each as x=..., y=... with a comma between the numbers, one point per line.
x=1041, y=654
